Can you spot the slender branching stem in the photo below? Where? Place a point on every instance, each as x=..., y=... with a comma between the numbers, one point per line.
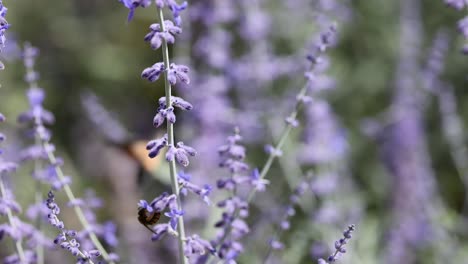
x=19, y=246
x=170, y=135
x=271, y=157
x=71, y=197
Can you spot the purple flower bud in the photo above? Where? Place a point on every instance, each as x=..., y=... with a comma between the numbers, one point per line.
x=258, y=183
x=133, y=4
x=181, y=103
x=285, y=225
x=170, y=116
x=159, y=231
x=181, y=157
x=155, y=37
x=158, y=119
x=178, y=72
x=152, y=73
x=292, y=121
x=191, y=151
x=71, y=233
x=269, y=149
x=195, y=245
x=171, y=152
x=94, y=253
x=176, y=102
x=174, y=214
x=155, y=146
x=144, y=205
x=36, y=96
x=60, y=238
x=7, y=167
x=160, y=203
x=174, y=7
x=276, y=245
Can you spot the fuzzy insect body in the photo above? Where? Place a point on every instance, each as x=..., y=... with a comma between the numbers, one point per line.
x=148, y=218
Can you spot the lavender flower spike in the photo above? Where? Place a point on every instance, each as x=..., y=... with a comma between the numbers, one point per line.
x=160, y=36
x=39, y=117
x=66, y=239
x=340, y=245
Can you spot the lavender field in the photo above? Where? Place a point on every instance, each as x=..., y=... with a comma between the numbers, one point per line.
x=233, y=131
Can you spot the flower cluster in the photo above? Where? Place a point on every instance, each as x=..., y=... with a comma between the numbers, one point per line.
x=171, y=4
x=66, y=239
x=156, y=35
x=186, y=186
x=235, y=209
x=339, y=246
x=175, y=72
x=149, y=214
x=233, y=156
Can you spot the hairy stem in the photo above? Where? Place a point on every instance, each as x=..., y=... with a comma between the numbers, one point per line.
x=170, y=136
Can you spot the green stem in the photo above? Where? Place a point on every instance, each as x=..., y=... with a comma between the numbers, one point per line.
x=19, y=247
x=77, y=208
x=39, y=200
x=170, y=135
x=278, y=231
x=282, y=140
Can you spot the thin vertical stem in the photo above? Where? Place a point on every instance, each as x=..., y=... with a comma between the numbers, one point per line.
x=19, y=247
x=170, y=136
x=71, y=197
x=282, y=140
x=39, y=200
